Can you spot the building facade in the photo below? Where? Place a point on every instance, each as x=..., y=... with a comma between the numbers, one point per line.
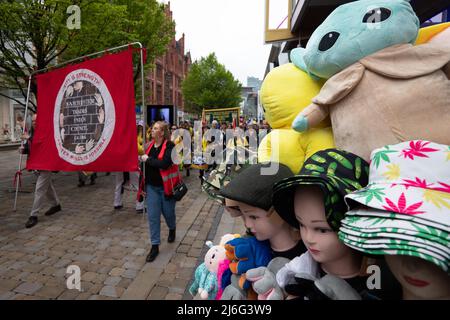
x=250, y=99
x=11, y=117
x=254, y=83
x=164, y=81
x=12, y=110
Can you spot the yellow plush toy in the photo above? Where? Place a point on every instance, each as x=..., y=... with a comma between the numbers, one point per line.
x=285, y=92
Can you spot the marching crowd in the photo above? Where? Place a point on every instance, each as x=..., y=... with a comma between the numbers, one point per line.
x=155, y=154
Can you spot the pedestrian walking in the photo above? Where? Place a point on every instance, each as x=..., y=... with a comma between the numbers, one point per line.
x=158, y=158
x=44, y=185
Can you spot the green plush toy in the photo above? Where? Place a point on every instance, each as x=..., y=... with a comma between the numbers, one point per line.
x=354, y=31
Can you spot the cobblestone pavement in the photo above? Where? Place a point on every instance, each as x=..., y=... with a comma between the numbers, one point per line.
x=109, y=246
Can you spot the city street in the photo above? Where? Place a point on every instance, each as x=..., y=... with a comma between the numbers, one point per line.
x=325, y=125
x=109, y=246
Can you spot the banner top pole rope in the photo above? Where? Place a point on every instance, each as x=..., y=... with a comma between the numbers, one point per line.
x=86, y=56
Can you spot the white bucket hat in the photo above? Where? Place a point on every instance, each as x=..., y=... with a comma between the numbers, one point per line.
x=405, y=208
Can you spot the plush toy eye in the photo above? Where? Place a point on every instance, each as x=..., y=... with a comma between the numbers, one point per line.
x=377, y=15
x=328, y=40
x=213, y=256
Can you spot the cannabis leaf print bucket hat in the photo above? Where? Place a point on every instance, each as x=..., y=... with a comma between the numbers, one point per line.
x=405, y=208
x=412, y=179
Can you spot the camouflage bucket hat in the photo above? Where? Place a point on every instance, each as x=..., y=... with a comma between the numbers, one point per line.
x=218, y=178
x=336, y=172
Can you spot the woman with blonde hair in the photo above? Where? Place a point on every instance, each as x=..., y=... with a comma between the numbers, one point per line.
x=157, y=157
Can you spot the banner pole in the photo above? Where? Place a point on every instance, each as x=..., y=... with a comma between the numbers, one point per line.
x=144, y=112
x=142, y=94
x=18, y=173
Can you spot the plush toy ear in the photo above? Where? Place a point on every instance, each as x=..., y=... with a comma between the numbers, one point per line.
x=209, y=244
x=296, y=57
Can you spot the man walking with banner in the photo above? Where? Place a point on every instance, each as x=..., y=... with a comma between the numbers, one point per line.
x=44, y=184
x=86, y=117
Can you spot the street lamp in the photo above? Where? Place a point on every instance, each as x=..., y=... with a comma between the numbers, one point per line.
x=278, y=20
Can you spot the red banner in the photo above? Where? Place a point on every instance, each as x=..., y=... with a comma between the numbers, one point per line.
x=86, y=117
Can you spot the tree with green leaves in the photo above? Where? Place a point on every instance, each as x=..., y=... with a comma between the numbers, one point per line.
x=209, y=84
x=34, y=35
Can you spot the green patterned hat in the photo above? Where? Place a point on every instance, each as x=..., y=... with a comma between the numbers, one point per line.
x=405, y=208
x=216, y=179
x=390, y=236
x=336, y=172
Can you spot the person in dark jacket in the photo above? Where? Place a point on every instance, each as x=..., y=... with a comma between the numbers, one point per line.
x=157, y=202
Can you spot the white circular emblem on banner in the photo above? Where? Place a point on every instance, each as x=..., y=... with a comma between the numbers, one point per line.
x=84, y=117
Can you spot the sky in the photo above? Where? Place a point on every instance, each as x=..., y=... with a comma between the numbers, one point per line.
x=233, y=29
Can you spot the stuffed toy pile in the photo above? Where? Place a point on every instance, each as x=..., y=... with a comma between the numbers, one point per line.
x=380, y=88
x=208, y=275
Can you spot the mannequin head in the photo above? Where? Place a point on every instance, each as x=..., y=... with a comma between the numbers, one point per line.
x=264, y=225
x=419, y=278
x=249, y=195
x=232, y=207
x=319, y=238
